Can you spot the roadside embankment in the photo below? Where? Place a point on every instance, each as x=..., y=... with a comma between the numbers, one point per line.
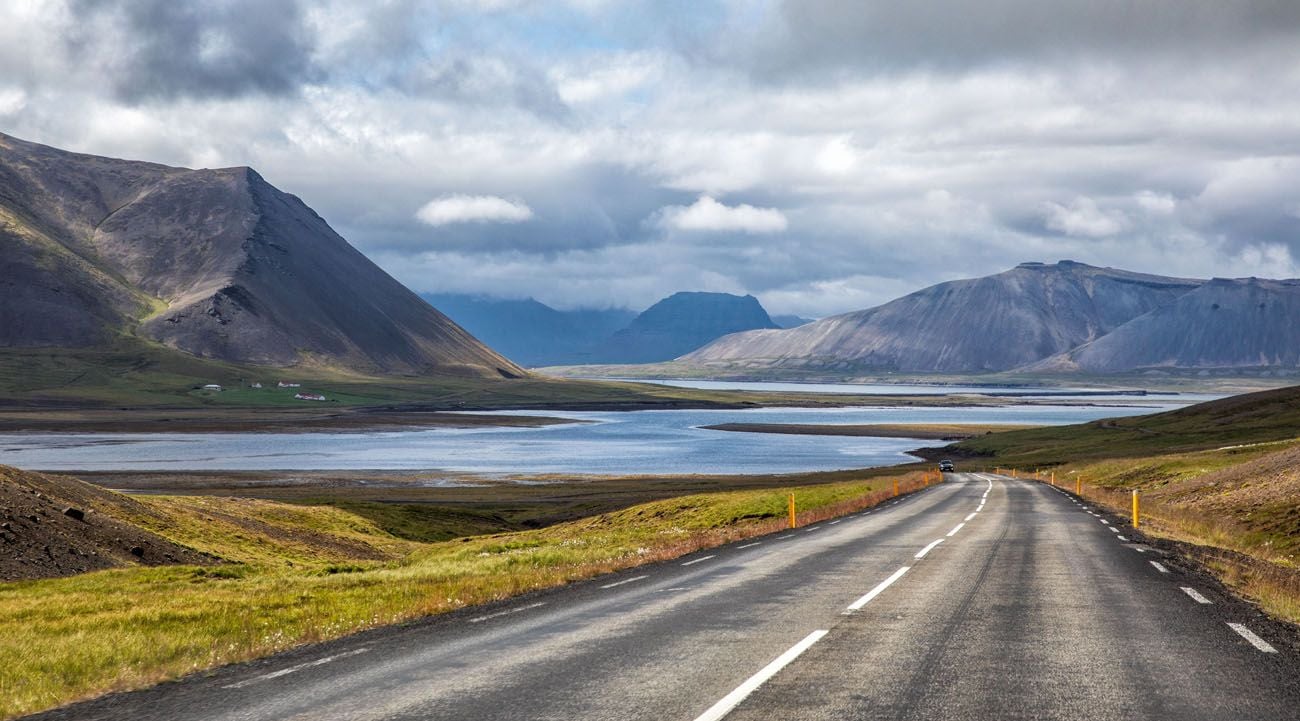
x=300, y=574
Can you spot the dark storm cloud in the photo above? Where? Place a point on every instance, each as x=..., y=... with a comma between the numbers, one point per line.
x=810, y=35
x=485, y=81
x=164, y=49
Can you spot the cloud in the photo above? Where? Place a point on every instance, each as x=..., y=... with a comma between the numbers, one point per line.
x=707, y=214
x=156, y=49
x=906, y=143
x=473, y=209
x=1083, y=218
x=815, y=36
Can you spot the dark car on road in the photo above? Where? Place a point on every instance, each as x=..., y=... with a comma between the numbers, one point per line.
x=947, y=466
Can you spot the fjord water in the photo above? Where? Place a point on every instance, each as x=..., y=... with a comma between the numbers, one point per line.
x=634, y=442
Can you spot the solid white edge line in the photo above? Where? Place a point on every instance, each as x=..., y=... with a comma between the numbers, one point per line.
x=953, y=532
x=626, y=580
x=1160, y=567
x=507, y=612
x=927, y=549
x=1196, y=595
x=1249, y=635
x=866, y=598
x=698, y=560
x=294, y=669
x=723, y=707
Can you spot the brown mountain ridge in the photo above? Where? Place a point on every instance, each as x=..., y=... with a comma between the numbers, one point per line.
x=217, y=263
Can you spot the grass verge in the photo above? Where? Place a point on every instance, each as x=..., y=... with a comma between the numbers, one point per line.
x=296, y=578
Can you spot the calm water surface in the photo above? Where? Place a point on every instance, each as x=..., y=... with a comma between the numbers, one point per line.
x=665, y=441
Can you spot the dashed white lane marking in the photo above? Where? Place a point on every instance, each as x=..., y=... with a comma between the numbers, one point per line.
x=698, y=560
x=1195, y=594
x=1122, y=538
x=970, y=517
x=506, y=612
x=1160, y=566
x=814, y=528
x=878, y=589
x=1113, y=529
x=674, y=588
x=928, y=548
x=750, y=545
x=832, y=523
x=626, y=580
x=1249, y=635
x=733, y=699
x=953, y=532
x=294, y=669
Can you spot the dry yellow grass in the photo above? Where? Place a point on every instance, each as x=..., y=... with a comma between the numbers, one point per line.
x=69, y=638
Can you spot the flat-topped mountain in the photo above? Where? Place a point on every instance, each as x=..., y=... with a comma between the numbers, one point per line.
x=680, y=323
x=216, y=263
x=995, y=323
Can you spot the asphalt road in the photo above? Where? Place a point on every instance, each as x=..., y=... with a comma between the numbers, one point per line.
x=981, y=598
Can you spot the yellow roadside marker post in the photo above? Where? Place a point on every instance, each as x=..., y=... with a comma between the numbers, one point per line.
x=1053, y=478
x=792, y=523
x=1078, y=485
x=895, y=487
x=1135, y=508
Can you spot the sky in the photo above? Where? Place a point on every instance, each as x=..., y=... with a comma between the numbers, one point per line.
x=824, y=156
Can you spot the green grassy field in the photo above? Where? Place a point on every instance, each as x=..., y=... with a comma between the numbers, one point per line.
x=1252, y=418
x=298, y=574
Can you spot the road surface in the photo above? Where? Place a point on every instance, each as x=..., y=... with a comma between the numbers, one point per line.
x=980, y=598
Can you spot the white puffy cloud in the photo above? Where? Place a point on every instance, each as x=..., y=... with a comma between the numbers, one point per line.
x=707, y=214
x=1083, y=218
x=450, y=209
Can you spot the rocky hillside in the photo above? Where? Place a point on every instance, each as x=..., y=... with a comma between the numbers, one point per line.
x=216, y=263
x=53, y=526
x=682, y=323
x=995, y=323
x=1225, y=324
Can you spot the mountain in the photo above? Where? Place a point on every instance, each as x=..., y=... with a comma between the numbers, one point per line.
x=1225, y=324
x=995, y=323
x=790, y=321
x=529, y=332
x=215, y=263
x=681, y=323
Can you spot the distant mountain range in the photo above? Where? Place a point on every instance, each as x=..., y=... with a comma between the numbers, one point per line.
x=790, y=321
x=529, y=332
x=215, y=263
x=681, y=323
x=534, y=334
x=1066, y=317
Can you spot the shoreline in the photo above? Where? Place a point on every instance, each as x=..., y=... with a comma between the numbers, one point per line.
x=242, y=419
x=918, y=431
